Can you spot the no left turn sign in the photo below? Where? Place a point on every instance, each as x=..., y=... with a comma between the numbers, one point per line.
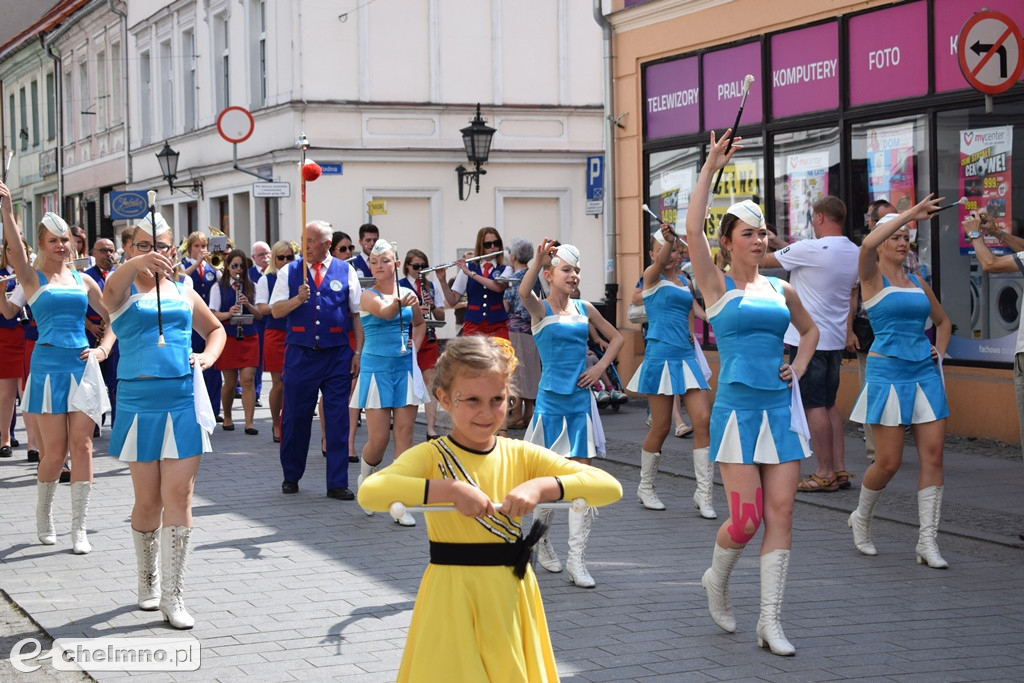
x=990, y=47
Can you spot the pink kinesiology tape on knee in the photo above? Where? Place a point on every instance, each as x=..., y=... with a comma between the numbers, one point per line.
x=743, y=513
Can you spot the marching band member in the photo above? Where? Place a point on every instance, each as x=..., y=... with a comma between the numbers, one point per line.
x=158, y=392
x=485, y=305
x=104, y=258
x=342, y=248
x=317, y=310
x=368, y=236
x=428, y=353
x=204, y=278
x=235, y=295
x=273, y=341
x=59, y=297
x=12, y=352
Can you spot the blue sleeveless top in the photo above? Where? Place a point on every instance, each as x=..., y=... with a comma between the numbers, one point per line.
x=386, y=337
x=135, y=324
x=748, y=330
x=59, y=311
x=562, y=344
x=898, y=316
x=668, y=313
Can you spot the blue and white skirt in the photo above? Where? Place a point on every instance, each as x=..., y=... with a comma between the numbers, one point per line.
x=667, y=370
x=55, y=375
x=753, y=427
x=387, y=383
x=900, y=392
x=156, y=420
x=564, y=423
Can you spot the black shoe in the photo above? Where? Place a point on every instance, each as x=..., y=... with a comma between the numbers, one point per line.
x=341, y=494
x=290, y=487
x=6, y=452
x=277, y=439
x=228, y=428
x=238, y=394
x=218, y=418
x=325, y=453
x=96, y=432
x=252, y=431
x=65, y=476
x=431, y=437
x=353, y=458
x=33, y=456
x=259, y=402
x=14, y=442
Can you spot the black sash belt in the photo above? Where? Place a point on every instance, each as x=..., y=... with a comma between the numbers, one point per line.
x=515, y=555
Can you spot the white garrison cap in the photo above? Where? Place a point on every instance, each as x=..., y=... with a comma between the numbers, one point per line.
x=748, y=212
x=566, y=253
x=381, y=246
x=889, y=217
x=146, y=224
x=55, y=224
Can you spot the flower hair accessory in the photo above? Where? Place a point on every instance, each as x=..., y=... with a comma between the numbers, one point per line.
x=55, y=224
x=566, y=253
x=506, y=347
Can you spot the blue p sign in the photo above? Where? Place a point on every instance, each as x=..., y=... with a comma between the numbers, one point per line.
x=595, y=177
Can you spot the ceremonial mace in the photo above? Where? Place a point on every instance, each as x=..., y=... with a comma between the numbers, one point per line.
x=156, y=274
x=747, y=82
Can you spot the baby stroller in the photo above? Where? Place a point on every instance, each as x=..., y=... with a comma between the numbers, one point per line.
x=608, y=391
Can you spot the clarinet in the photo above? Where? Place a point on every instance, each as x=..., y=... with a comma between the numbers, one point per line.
x=239, y=327
x=425, y=292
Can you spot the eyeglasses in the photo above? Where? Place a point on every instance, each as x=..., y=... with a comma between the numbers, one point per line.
x=492, y=243
x=285, y=257
x=342, y=247
x=148, y=246
x=417, y=266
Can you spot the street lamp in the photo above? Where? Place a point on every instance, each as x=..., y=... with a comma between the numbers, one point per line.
x=477, y=139
x=168, y=160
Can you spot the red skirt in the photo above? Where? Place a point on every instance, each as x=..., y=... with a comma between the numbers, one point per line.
x=12, y=352
x=273, y=350
x=427, y=357
x=485, y=329
x=240, y=354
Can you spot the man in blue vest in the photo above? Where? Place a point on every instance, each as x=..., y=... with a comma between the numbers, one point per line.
x=318, y=358
x=105, y=255
x=368, y=236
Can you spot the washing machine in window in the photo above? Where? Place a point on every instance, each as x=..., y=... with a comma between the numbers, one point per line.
x=1005, y=295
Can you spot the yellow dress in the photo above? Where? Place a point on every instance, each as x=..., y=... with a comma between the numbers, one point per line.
x=474, y=623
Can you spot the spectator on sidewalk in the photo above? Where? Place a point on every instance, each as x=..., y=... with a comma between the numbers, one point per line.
x=823, y=271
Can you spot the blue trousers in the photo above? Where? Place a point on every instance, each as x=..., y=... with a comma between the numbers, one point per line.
x=306, y=372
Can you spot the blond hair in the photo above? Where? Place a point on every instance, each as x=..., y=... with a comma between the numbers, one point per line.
x=472, y=356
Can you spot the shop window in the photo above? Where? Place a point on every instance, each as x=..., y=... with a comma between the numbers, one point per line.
x=979, y=157
x=806, y=169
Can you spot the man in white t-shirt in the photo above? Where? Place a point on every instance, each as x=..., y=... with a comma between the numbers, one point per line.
x=823, y=271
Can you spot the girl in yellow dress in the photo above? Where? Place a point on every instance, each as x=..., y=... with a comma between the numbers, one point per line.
x=479, y=616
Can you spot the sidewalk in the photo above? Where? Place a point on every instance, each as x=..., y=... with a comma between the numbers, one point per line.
x=309, y=588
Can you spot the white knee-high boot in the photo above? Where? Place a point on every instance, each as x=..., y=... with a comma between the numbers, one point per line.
x=81, y=491
x=774, y=569
x=929, y=505
x=546, y=555
x=44, y=512
x=716, y=582
x=703, y=497
x=175, y=542
x=645, y=493
x=365, y=470
x=860, y=520
x=147, y=558
x=579, y=532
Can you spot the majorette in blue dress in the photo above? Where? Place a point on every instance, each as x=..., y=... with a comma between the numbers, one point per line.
x=902, y=385
x=669, y=365
x=562, y=419
x=751, y=421
x=388, y=377
x=156, y=416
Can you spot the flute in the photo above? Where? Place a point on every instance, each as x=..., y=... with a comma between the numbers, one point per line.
x=449, y=265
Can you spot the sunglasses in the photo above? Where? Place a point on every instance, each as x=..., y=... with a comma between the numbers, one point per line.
x=237, y=266
x=285, y=257
x=344, y=248
x=492, y=243
x=148, y=246
x=417, y=266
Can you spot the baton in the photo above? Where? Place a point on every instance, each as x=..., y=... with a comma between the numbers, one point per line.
x=398, y=509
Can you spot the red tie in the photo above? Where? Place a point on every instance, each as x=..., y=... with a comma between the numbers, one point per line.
x=319, y=277
x=201, y=269
x=487, y=269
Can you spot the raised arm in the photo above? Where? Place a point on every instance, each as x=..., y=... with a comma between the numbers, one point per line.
x=666, y=239
x=710, y=280
x=531, y=302
x=17, y=256
x=868, y=264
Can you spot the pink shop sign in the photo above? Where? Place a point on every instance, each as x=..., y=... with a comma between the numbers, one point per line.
x=805, y=70
x=888, y=54
x=672, y=98
x=724, y=72
x=950, y=16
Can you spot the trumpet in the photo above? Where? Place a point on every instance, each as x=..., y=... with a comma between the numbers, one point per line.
x=443, y=266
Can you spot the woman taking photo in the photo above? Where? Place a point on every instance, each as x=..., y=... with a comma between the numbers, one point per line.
x=156, y=388
x=390, y=386
x=902, y=383
x=753, y=433
x=233, y=296
x=563, y=420
x=273, y=340
x=669, y=369
x=59, y=297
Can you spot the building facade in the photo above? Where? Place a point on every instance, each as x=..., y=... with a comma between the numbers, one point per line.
x=861, y=100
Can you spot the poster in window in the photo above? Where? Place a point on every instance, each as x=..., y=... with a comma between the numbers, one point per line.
x=675, y=196
x=985, y=156
x=807, y=182
x=740, y=180
x=890, y=152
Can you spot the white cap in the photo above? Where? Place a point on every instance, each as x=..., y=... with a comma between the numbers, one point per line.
x=566, y=253
x=381, y=246
x=748, y=212
x=147, y=225
x=54, y=224
x=888, y=217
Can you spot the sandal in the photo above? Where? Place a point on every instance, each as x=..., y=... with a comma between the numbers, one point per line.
x=843, y=479
x=815, y=484
x=684, y=430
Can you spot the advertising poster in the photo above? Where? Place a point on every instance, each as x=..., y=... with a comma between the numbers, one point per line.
x=890, y=152
x=985, y=155
x=740, y=180
x=675, y=196
x=807, y=182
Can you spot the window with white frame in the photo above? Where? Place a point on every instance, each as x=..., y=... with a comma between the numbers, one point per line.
x=84, y=101
x=166, y=71
x=34, y=89
x=51, y=107
x=116, y=105
x=102, y=120
x=13, y=124
x=23, y=132
x=146, y=97
x=69, y=97
x=258, y=53
x=189, y=82
x=221, y=72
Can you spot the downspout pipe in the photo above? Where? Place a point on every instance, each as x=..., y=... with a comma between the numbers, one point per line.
x=611, y=286
x=124, y=93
